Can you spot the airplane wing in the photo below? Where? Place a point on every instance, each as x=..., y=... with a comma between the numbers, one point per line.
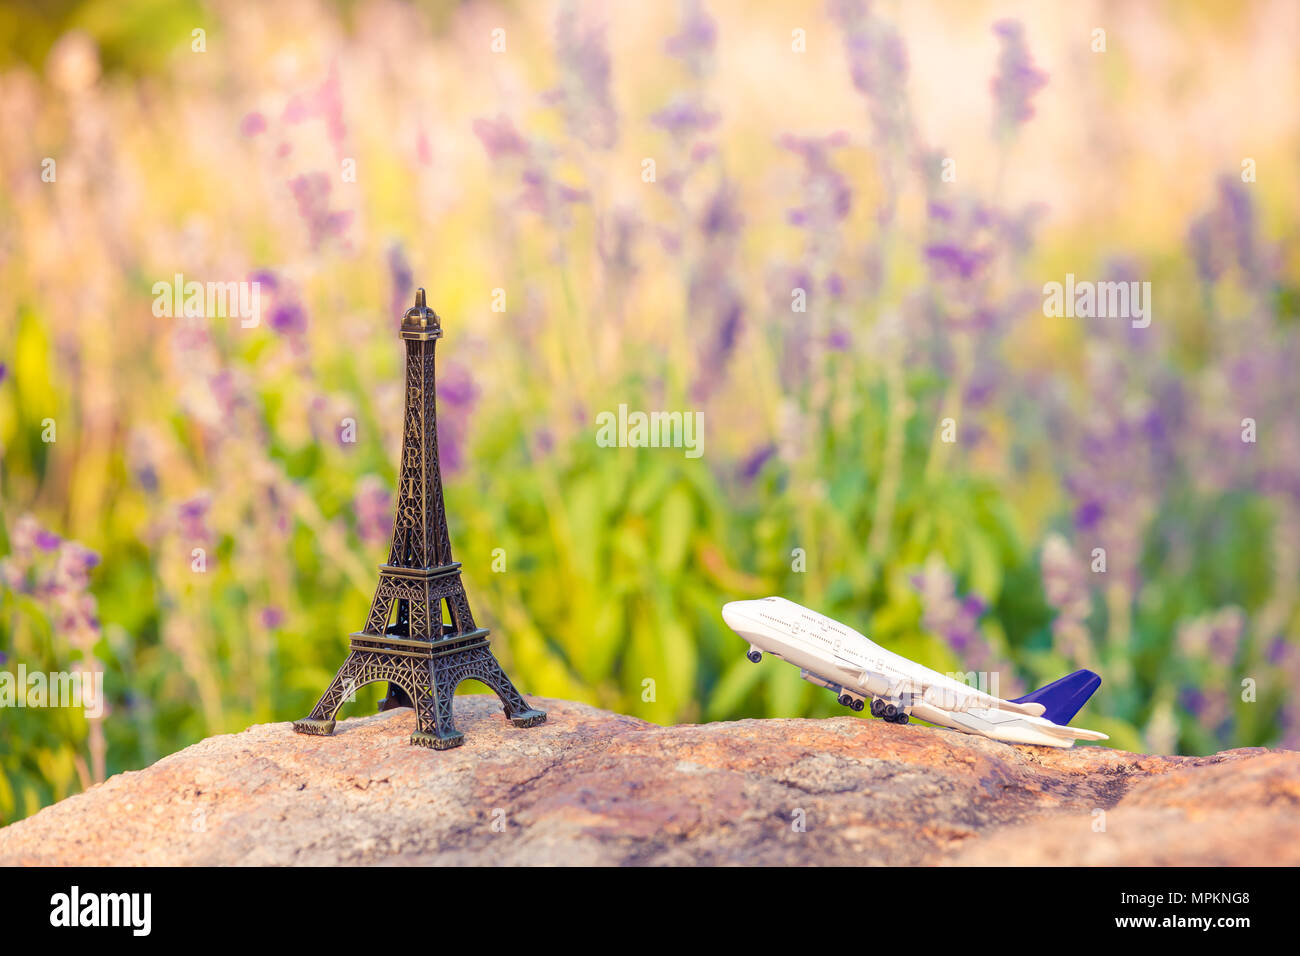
x=1074, y=733
x=953, y=699
x=942, y=696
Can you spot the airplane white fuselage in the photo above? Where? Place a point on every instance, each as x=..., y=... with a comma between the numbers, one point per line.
x=846, y=662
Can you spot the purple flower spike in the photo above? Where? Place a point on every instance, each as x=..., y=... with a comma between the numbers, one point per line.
x=289, y=318
x=722, y=216
x=192, y=516
x=694, y=44
x=312, y=193
x=826, y=193
x=1017, y=80
x=684, y=117
x=399, y=271
x=956, y=261
x=499, y=137
x=374, y=510
x=584, y=95
x=753, y=464
x=456, y=388
x=878, y=66
x=266, y=280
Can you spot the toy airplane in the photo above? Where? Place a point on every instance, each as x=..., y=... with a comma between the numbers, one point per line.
x=831, y=655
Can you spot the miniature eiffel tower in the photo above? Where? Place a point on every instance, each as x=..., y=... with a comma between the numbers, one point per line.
x=422, y=653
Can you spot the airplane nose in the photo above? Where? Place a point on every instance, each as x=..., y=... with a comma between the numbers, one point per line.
x=732, y=614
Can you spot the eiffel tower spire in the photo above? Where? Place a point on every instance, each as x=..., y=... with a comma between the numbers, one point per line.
x=420, y=634
x=420, y=534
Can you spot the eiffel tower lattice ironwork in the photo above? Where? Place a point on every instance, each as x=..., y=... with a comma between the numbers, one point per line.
x=408, y=641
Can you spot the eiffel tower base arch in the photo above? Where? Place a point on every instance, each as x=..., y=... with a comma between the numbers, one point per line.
x=424, y=677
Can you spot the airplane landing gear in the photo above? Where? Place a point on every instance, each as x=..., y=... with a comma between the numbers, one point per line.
x=889, y=711
x=852, y=703
x=754, y=655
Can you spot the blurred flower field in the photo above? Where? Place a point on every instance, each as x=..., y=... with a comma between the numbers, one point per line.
x=825, y=226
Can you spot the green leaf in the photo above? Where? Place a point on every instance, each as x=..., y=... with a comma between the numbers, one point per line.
x=677, y=518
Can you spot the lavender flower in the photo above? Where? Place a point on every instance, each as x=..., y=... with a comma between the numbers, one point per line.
x=142, y=457
x=960, y=248
x=1209, y=647
x=546, y=195
x=325, y=103
x=373, y=507
x=1226, y=233
x=312, y=193
x=955, y=262
x=956, y=619
x=827, y=196
x=685, y=118
x=192, y=519
x=1238, y=210
x=953, y=618
x=57, y=572
x=722, y=218
x=288, y=318
x=584, y=94
x=1205, y=250
x=500, y=138
x=1065, y=581
x=694, y=42
x=1207, y=704
x=1214, y=638
x=715, y=299
x=1115, y=473
x=1227, y=628
x=542, y=443
x=878, y=66
x=403, y=280
x=755, y=460
x=16, y=569
x=74, y=564
x=457, y=395
x=1017, y=79
x=266, y=280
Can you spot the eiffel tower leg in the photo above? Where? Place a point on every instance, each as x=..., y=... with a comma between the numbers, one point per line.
x=435, y=726
x=341, y=688
x=516, y=708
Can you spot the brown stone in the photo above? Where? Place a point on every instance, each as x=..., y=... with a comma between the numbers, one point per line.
x=591, y=787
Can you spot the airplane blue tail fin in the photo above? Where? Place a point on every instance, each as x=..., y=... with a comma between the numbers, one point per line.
x=1063, y=698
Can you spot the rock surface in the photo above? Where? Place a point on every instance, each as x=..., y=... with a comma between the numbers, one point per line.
x=591, y=787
